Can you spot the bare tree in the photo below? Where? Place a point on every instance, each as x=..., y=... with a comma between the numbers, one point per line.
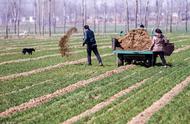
x=35, y=16
x=76, y=15
x=171, y=16
x=140, y=11
x=64, y=16
x=186, y=16
x=115, y=16
x=126, y=16
x=43, y=16
x=54, y=16
x=136, y=14
x=158, y=14
x=159, y=5
x=83, y=12
x=105, y=16
x=146, y=14
x=95, y=14
x=14, y=14
x=39, y=16
x=18, y=22
x=7, y=16
x=50, y=3
x=167, y=16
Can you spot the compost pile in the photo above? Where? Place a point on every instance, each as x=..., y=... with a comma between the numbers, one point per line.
x=63, y=43
x=137, y=39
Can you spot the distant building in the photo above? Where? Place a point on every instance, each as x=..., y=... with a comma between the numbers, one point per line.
x=29, y=19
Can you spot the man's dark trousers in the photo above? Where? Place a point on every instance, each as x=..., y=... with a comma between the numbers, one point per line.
x=90, y=48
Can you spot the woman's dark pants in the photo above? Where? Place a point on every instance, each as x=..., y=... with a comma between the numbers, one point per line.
x=161, y=54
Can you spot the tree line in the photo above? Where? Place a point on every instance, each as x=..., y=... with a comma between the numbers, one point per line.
x=51, y=15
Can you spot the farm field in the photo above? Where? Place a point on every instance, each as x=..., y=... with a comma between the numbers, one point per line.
x=47, y=88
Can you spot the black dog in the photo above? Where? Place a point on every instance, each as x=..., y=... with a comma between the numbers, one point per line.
x=28, y=50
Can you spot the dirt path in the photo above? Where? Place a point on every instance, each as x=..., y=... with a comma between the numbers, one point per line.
x=28, y=59
x=103, y=104
x=187, y=59
x=47, y=56
x=37, y=58
x=45, y=45
x=11, y=53
x=46, y=49
x=144, y=116
x=182, y=49
x=43, y=57
x=48, y=68
x=25, y=88
x=40, y=100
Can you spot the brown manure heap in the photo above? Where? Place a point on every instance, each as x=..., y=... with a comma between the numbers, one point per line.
x=63, y=43
x=137, y=39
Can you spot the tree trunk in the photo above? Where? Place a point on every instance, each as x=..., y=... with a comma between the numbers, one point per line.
x=146, y=14
x=115, y=16
x=54, y=17
x=171, y=16
x=136, y=14
x=126, y=16
x=64, y=15
x=186, y=16
x=83, y=12
x=43, y=16
x=7, y=21
x=50, y=18
x=18, y=21
x=35, y=16
x=98, y=27
x=140, y=11
x=105, y=17
x=76, y=17
x=15, y=15
x=39, y=16
x=158, y=13
x=95, y=16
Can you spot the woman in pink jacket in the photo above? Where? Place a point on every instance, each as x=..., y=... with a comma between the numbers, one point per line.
x=158, y=43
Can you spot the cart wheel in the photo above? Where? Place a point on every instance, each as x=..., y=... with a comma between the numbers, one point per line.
x=129, y=61
x=148, y=62
x=120, y=60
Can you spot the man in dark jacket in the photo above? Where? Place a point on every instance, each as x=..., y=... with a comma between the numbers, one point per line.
x=90, y=41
